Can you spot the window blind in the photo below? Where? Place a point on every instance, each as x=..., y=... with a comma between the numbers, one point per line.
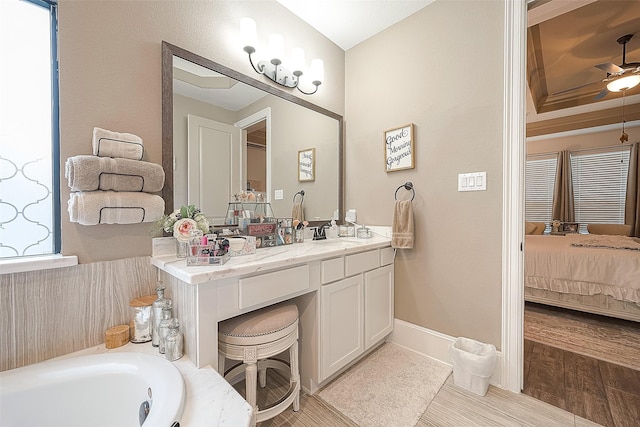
x=540, y=176
x=599, y=179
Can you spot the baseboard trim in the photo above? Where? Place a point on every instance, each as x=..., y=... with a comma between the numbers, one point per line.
x=433, y=344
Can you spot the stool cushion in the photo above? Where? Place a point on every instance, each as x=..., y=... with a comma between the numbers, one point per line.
x=260, y=322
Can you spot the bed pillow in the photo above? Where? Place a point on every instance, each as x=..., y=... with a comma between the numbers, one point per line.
x=529, y=227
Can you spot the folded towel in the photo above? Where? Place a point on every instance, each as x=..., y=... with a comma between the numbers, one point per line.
x=110, y=207
x=115, y=144
x=402, y=227
x=90, y=173
x=297, y=212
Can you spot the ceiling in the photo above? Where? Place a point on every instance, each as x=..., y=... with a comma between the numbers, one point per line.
x=349, y=22
x=565, y=41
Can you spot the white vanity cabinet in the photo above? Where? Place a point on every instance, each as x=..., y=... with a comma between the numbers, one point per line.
x=356, y=307
x=341, y=323
x=343, y=289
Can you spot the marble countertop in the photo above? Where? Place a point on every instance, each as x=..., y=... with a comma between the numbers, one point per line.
x=264, y=259
x=210, y=399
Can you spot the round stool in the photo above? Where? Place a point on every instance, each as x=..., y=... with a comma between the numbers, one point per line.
x=254, y=338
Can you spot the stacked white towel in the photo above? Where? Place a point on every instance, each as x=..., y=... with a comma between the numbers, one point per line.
x=113, y=185
x=112, y=207
x=90, y=173
x=115, y=144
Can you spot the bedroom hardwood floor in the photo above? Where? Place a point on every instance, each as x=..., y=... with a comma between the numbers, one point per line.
x=603, y=392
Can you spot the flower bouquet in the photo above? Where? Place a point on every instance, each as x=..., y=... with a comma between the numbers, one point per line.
x=181, y=222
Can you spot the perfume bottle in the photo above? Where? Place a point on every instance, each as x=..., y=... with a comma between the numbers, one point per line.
x=163, y=327
x=156, y=314
x=174, y=342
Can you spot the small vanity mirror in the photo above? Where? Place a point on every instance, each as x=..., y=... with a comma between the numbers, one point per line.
x=224, y=132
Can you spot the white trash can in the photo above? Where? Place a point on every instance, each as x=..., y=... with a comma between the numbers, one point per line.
x=473, y=364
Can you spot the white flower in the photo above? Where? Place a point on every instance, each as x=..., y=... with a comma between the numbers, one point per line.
x=182, y=229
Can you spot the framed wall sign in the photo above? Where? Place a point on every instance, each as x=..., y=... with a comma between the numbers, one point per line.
x=398, y=148
x=307, y=164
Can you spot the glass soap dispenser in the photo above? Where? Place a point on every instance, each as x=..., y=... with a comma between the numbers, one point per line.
x=174, y=341
x=156, y=314
x=163, y=328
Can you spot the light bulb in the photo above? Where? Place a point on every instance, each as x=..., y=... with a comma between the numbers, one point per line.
x=317, y=71
x=248, y=34
x=623, y=83
x=297, y=60
x=276, y=48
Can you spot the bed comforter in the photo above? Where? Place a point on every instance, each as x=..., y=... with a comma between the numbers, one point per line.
x=584, y=265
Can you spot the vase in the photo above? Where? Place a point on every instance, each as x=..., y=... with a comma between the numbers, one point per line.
x=182, y=249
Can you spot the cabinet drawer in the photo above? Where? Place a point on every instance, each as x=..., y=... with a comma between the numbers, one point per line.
x=357, y=263
x=265, y=287
x=386, y=256
x=332, y=270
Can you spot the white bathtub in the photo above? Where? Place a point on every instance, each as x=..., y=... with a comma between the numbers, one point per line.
x=98, y=390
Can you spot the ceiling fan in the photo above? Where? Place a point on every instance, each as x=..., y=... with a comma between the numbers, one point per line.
x=619, y=77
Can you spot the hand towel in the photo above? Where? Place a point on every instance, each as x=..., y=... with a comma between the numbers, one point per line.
x=402, y=227
x=110, y=207
x=297, y=212
x=115, y=144
x=90, y=173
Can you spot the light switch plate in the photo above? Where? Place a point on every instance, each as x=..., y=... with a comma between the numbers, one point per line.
x=278, y=194
x=474, y=181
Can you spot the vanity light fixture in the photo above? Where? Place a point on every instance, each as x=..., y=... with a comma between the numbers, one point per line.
x=273, y=68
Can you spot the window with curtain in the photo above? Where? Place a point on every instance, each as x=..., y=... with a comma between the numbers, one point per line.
x=29, y=148
x=599, y=178
x=540, y=175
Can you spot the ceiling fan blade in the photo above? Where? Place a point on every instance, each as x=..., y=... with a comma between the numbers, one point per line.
x=604, y=92
x=609, y=68
x=576, y=87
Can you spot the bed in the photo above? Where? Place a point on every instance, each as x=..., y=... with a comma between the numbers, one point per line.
x=595, y=274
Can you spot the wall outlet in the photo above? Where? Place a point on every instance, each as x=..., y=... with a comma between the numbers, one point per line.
x=278, y=194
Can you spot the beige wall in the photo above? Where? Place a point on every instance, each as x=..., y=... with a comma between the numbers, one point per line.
x=440, y=69
x=110, y=77
x=559, y=142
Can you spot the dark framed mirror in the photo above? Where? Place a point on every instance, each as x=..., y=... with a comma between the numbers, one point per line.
x=330, y=178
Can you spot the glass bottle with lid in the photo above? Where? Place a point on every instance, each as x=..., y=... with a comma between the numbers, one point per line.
x=163, y=327
x=174, y=342
x=156, y=314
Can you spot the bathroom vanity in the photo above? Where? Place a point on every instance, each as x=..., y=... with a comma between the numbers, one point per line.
x=343, y=288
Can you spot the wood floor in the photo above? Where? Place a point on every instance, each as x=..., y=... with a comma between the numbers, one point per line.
x=599, y=391
x=585, y=384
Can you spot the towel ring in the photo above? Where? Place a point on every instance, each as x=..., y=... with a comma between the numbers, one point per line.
x=407, y=186
x=301, y=193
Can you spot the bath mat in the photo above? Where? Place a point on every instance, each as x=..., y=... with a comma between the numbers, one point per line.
x=611, y=340
x=390, y=387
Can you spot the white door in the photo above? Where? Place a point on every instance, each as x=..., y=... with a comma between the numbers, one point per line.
x=341, y=311
x=214, y=165
x=378, y=305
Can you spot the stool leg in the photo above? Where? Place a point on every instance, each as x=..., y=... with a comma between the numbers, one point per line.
x=262, y=373
x=295, y=375
x=221, y=360
x=250, y=390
